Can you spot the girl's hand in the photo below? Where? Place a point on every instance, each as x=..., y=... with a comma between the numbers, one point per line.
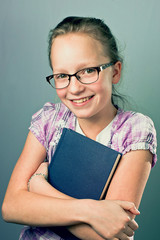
x=109, y=219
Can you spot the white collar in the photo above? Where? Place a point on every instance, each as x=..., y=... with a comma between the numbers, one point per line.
x=103, y=137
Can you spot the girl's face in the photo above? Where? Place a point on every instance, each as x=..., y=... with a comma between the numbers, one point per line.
x=73, y=52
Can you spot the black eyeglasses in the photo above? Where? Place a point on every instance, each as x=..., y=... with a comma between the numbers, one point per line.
x=85, y=76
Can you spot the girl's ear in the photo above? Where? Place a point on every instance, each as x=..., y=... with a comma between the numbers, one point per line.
x=117, y=72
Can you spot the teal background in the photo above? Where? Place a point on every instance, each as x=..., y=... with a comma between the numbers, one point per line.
x=24, y=27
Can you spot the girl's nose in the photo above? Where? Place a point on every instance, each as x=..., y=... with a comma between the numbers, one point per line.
x=75, y=86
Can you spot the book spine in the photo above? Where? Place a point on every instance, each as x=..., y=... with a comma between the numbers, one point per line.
x=103, y=194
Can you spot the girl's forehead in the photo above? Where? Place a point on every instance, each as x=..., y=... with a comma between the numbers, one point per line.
x=75, y=48
x=76, y=41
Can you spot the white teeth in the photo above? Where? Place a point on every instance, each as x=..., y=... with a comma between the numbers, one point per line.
x=81, y=100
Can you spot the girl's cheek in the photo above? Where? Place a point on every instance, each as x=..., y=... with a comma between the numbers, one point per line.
x=60, y=93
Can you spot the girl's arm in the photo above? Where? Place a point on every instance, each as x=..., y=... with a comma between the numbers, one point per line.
x=128, y=183
x=39, y=185
x=21, y=206
x=131, y=177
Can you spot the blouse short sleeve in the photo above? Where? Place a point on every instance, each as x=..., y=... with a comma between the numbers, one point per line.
x=40, y=123
x=136, y=132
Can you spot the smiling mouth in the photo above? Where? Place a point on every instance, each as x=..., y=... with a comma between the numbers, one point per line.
x=82, y=99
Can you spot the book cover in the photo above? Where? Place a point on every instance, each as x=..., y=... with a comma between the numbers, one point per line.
x=82, y=167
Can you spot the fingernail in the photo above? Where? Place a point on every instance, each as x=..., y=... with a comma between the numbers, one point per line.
x=137, y=210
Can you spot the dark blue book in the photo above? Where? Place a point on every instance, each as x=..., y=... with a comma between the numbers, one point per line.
x=81, y=168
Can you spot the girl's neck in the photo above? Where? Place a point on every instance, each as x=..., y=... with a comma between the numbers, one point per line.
x=91, y=127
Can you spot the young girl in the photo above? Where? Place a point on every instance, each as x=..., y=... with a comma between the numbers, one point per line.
x=86, y=65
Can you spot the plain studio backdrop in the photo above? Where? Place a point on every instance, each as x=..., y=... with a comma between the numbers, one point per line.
x=24, y=27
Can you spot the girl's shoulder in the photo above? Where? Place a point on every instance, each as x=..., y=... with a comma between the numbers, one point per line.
x=51, y=110
x=52, y=113
x=132, y=119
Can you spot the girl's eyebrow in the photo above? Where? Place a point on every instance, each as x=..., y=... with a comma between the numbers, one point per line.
x=77, y=68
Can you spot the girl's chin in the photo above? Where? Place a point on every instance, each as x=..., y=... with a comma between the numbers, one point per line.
x=83, y=113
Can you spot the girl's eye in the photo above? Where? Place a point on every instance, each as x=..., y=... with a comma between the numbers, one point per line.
x=60, y=76
x=89, y=70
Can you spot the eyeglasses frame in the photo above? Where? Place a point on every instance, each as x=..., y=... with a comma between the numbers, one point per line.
x=99, y=69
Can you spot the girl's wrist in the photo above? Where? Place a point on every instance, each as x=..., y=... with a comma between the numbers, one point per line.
x=86, y=208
